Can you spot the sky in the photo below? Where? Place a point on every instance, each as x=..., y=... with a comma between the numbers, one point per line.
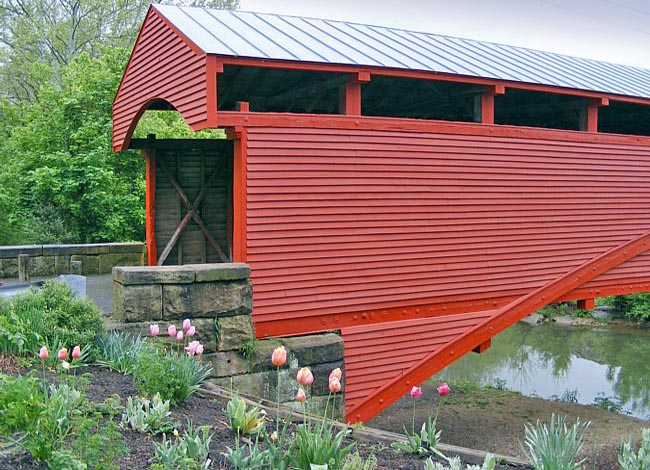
x=610, y=30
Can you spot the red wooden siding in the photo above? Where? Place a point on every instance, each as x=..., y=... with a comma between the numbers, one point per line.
x=162, y=66
x=375, y=354
x=351, y=225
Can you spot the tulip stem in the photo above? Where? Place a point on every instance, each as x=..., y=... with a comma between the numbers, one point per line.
x=277, y=416
x=413, y=421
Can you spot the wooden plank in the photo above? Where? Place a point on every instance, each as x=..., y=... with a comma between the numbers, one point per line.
x=150, y=205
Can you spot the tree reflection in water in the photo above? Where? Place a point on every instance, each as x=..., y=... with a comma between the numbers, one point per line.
x=548, y=360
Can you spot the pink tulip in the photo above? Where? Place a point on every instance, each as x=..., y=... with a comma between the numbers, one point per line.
x=443, y=389
x=43, y=353
x=416, y=392
x=301, y=396
x=191, y=348
x=62, y=355
x=187, y=324
x=279, y=356
x=171, y=330
x=199, y=349
x=192, y=331
x=336, y=373
x=76, y=352
x=335, y=385
x=305, y=377
x=179, y=336
x=154, y=330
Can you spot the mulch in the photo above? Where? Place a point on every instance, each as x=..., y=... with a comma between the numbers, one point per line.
x=200, y=411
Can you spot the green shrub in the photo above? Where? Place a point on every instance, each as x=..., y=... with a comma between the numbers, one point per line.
x=174, y=377
x=635, y=306
x=55, y=425
x=49, y=315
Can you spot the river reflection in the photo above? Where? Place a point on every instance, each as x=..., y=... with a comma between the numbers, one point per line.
x=554, y=361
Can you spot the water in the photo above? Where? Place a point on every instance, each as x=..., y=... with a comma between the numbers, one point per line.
x=551, y=361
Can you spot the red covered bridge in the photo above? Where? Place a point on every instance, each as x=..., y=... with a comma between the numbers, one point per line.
x=417, y=192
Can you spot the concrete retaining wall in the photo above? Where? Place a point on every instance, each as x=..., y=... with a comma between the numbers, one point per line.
x=50, y=260
x=219, y=299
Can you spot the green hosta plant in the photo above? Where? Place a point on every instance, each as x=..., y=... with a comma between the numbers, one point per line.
x=248, y=457
x=555, y=446
x=148, y=416
x=630, y=460
x=356, y=462
x=244, y=421
x=456, y=464
x=189, y=452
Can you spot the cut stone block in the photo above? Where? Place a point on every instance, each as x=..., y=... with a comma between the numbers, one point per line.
x=220, y=272
x=314, y=349
x=207, y=299
x=89, y=263
x=129, y=275
x=109, y=260
x=137, y=303
x=234, y=332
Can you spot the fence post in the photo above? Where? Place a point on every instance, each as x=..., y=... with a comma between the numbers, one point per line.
x=23, y=268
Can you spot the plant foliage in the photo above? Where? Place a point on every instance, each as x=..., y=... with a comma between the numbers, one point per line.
x=555, y=446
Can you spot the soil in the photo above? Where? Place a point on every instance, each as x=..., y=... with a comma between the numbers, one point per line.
x=493, y=420
x=471, y=416
x=200, y=411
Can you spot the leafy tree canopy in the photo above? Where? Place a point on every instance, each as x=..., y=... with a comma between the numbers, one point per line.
x=60, y=64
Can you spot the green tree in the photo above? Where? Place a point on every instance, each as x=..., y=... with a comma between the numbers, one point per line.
x=60, y=64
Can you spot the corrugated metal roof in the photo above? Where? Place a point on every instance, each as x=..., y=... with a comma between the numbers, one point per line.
x=267, y=36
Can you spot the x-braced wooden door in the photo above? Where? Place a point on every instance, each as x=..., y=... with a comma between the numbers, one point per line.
x=192, y=201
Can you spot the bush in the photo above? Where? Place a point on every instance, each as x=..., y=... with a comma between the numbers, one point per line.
x=174, y=377
x=51, y=315
x=56, y=425
x=635, y=306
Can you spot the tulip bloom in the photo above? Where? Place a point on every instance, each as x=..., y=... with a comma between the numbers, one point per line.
x=76, y=352
x=187, y=324
x=443, y=389
x=199, y=349
x=336, y=373
x=43, y=353
x=171, y=330
x=301, y=396
x=192, y=331
x=279, y=356
x=62, y=355
x=305, y=377
x=179, y=336
x=335, y=385
x=416, y=392
x=191, y=348
x=154, y=330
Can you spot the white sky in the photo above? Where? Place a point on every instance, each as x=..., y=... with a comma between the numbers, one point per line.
x=610, y=30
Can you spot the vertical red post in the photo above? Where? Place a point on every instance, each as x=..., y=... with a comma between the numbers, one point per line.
x=487, y=102
x=589, y=116
x=239, y=194
x=212, y=68
x=350, y=98
x=150, y=205
x=586, y=304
